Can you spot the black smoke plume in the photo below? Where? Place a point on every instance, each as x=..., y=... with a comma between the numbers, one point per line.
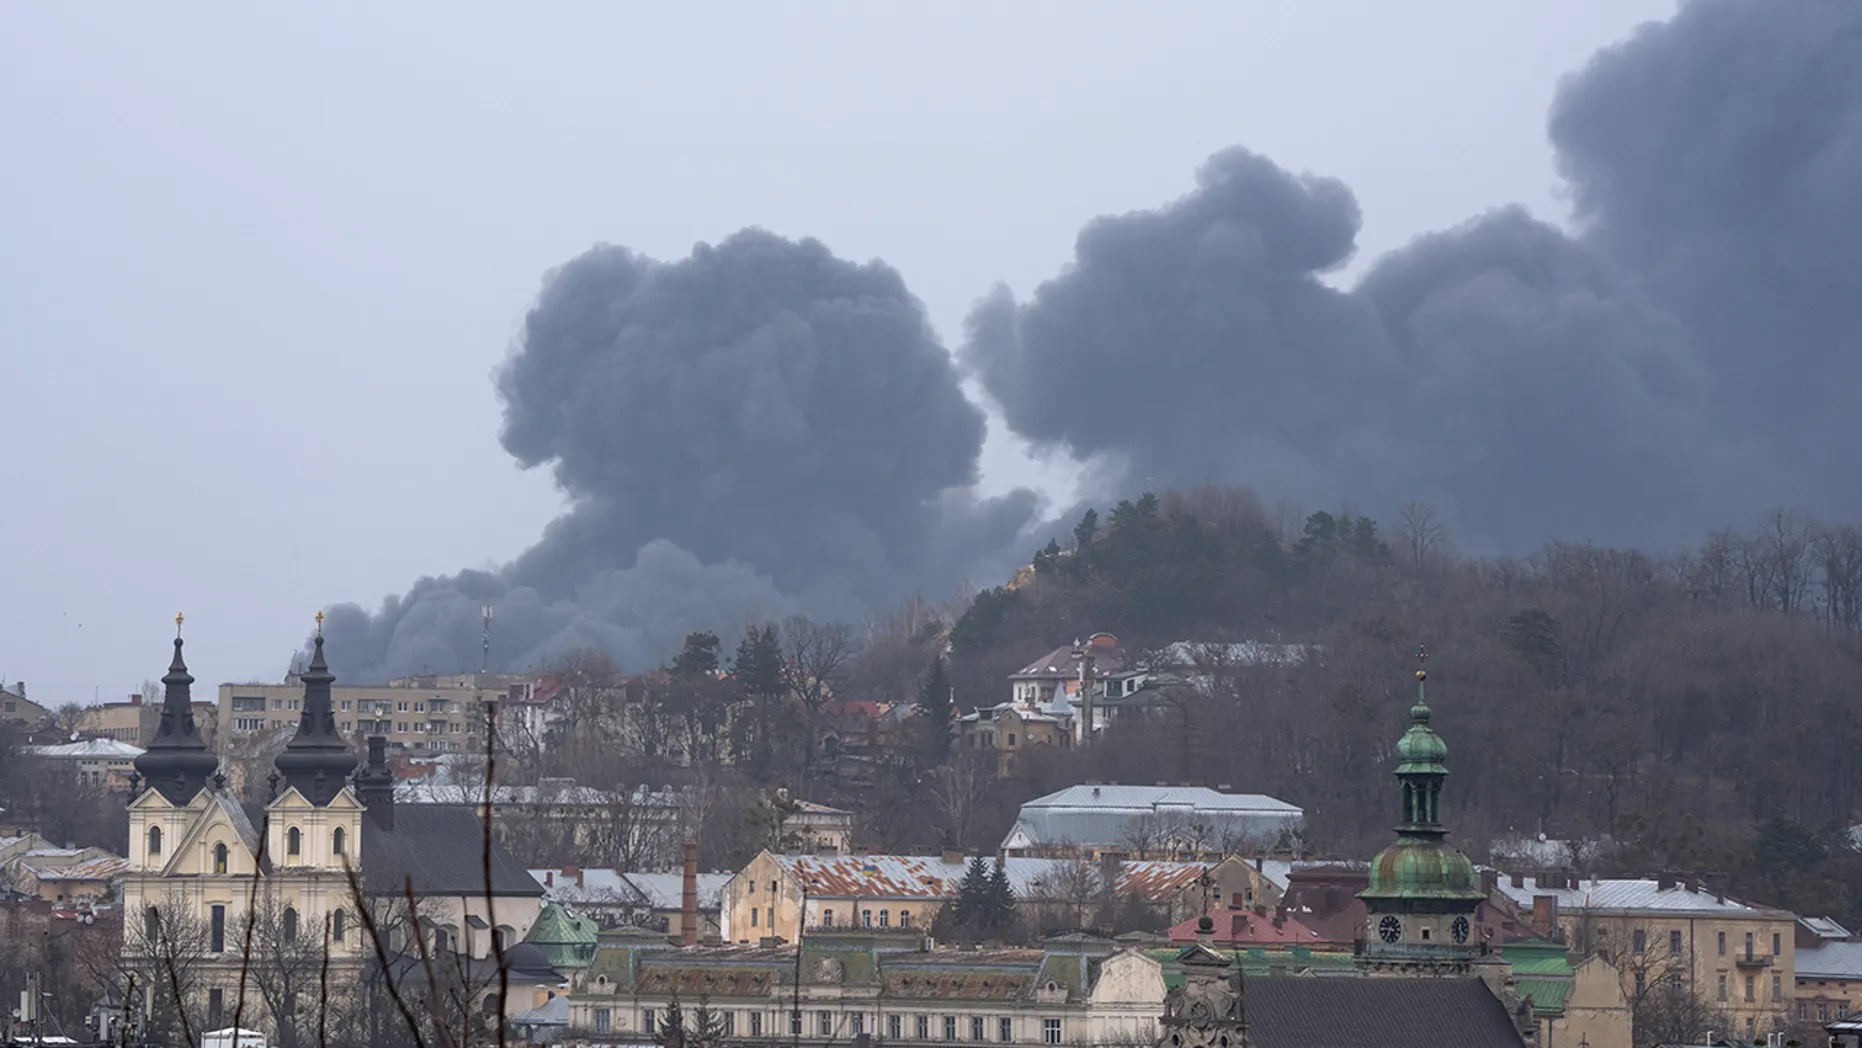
x=756, y=429
x=1694, y=355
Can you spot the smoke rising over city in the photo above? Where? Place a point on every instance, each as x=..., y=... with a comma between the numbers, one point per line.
x=763, y=428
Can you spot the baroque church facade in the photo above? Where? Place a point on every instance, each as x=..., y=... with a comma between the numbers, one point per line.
x=251, y=912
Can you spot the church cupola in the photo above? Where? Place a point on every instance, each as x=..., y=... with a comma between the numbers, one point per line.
x=316, y=762
x=1423, y=894
x=177, y=763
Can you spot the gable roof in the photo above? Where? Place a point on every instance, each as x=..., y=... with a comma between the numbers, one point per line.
x=1628, y=894
x=1389, y=1013
x=440, y=849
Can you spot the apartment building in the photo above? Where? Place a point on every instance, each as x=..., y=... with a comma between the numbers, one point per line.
x=1738, y=956
x=133, y=720
x=429, y=714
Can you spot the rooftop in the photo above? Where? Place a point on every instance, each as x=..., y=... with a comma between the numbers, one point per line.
x=1637, y=894
x=1114, y=798
x=88, y=749
x=930, y=877
x=1831, y=960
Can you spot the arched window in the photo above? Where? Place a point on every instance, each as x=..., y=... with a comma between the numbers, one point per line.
x=152, y=925
x=289, y=932
x=339, y=923
x=293, y=842
x=219, y=858
x=155, y=841
x=905, y=918
x=338, y=841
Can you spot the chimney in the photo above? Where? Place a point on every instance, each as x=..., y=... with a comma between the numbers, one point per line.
x=573, y=871
x=549, y=878
x=1544, y=913
x=1280, y=915
x=1260, y=909
x=1260, y=863
x=954, y=858
x=1490, y=881
x=1519, y=880
x=19, y=688
x=578, y=878
x=135, y=698
x=1664, y=881
x=688, y=906
x=1689, y=882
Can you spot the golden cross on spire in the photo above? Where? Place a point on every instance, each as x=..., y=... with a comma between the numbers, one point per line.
x=319, y=617
x=178, y=618
x=1422, y=660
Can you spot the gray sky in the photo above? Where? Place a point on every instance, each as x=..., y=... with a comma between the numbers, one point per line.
x=261, y=265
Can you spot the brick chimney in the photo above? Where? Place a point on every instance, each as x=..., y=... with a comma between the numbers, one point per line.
x=1544, y=913
x=135, y=698
x=688, y=908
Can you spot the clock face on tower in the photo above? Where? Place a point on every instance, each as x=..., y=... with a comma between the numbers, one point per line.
x=1459, y=929
x=1389, y=929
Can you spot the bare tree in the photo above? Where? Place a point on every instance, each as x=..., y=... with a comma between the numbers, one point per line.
x=1420, y=534
x=960, y=788
x=815, y=656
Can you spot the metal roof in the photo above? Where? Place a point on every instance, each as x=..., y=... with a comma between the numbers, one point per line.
x=1108, y=815
x=88, y=749
x=930, y=877
x=1824, y=927
x=1628, y=894
x=102, y=868
x=1831, y=960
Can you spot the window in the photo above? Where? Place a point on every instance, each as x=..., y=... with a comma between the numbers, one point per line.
x=1722, y=986
x=752, y=916
x=155, y=841
x=1748, y=944
x=339, y=925
x=950, y=1027
x=1751, y=989
x=400, y=726
x=277, y=704
x=895, y=1027
x=338, y=841
x=795, y=1024
x=604, y=1020
x=420, y=707
x=293, y=842
x=885, y=918
x=1638, y=941
x=976, y=1027
x=866, y=918
x=249, y=724
x=752, y=887
x=152, y=925
x=1011, y=739
x=1050, y=1031
x=216, y=1006
x=756, y=1024
x=730, y=1024
x=827, y=918
x=923, y=1027
x=1803, y=1011
x=1674, y=942
x=1642, y=983
x=1777, y=947
x=248, y=704
x=1722, y=944
x=905, y=918
x=401, y=707
x=859, y=1023
x=1823, y=1012
x=345, y=705
x=824, y=1023
x=772, y=887
x=219, y=858
x=217, y=931
x=1005, y=1030
x=289, y=930
x=646, y=1022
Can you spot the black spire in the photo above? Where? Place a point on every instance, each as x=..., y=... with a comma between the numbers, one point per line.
x=177, y=762
x=375, y=784
x=316, y=762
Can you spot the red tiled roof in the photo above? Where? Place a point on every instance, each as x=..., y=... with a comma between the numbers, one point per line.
x=1257, y=927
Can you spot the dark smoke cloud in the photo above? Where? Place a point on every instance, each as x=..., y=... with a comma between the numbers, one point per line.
x=1718, y=155
x=1694, y=357
x=756, y=429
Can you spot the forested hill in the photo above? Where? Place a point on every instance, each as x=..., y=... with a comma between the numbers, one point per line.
x=1705, y=706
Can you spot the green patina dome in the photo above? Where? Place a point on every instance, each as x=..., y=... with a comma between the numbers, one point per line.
x=565, y=938
x=1422, y=869
x=1421, y=749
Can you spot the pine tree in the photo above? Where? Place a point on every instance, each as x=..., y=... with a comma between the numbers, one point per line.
x=971, y=906
x=758, y=669
x=669, y=1032
x=934, y=701
x=999, y=902
x=700, y=655
x=707, y=1025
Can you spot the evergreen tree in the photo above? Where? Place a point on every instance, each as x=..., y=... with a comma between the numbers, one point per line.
x=1086, y=530
x=700, y=655
x=999, y=902
x=758, y=669
x=971, y=906
x=707, y=1025
x=934, y=701
x=669, y=1031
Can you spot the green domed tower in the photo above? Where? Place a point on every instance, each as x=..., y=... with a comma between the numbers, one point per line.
x=1421, y=903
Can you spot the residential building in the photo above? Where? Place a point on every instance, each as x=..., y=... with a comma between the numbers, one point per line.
x=66, y=876
x=1188, y=822
x=1011, y=729
x=1737, y=956
x=203, y=864
x=104, y=763
x=780, y=895
x=133, y=720
x=421, y=715
x=1829, y=981
x=1248, y=927
x=840, y=985
x=622, y=899
x=15, y=708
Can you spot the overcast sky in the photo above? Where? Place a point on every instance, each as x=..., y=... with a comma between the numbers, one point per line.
x=260, y=264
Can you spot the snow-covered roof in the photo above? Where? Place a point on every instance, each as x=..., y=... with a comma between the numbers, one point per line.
x=1110, y=815
x=1630, y=893
x=659, y=891
x=88, y=749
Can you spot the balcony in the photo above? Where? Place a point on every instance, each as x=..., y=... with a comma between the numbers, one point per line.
x=1750, y=959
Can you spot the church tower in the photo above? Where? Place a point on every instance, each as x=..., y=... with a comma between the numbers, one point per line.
x=316, y=762
x=177, y=763
x=1423, y=895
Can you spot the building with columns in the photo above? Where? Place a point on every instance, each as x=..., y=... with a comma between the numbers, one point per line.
x=309, y=890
